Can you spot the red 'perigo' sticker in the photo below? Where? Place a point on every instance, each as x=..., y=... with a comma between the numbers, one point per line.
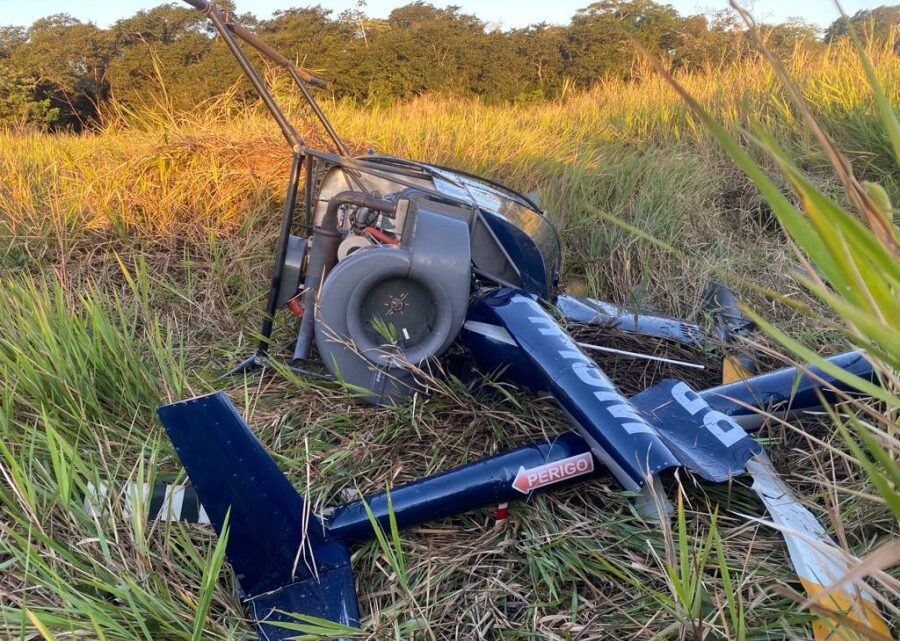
x=529, y=480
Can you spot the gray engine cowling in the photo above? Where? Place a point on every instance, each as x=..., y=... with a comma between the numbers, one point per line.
x=384, y=311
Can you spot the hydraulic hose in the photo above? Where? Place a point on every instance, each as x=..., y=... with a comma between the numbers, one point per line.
x=358, y=198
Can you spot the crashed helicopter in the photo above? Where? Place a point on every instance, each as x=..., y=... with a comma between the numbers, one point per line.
x=396, y=262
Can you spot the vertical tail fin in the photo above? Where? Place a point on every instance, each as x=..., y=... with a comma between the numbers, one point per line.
x=279, y=551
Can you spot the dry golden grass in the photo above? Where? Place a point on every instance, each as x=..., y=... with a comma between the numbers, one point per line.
x=189, y=204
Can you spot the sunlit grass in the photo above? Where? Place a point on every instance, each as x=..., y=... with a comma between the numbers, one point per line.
x=132, y=268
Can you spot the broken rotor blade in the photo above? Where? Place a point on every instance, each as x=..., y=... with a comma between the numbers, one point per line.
x=590, y=311
x=817, y=561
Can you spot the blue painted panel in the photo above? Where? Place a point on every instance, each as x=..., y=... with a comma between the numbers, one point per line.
x=785, y=390
x=489, y=481
x=231, y=470
x=523, y=251
x=616, y=433
x=705, y=440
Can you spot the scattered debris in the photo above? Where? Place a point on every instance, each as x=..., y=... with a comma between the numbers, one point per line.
x=406, y=260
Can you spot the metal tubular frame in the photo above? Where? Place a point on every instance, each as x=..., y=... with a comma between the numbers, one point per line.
x=228, y=29
x=218, y=20
x=287, y=222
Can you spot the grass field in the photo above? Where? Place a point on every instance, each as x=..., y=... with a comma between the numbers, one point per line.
x=133, y=267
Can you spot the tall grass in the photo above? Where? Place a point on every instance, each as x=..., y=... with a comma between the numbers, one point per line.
x=132, y=268
x=850, y=249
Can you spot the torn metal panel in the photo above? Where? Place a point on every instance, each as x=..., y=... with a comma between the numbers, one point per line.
x=706, y=441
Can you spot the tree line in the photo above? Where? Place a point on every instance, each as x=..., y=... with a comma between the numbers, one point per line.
x=62, y=73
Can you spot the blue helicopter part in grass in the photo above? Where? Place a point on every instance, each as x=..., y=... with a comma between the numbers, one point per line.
x=511, y=332
x=489, y=481
x=231, y=469
x=281, y=554
x=780, y=393
x=289, y=560
x=787, y=391
x=286, y=559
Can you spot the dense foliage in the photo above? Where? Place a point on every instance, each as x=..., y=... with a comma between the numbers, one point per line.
x=62, y=72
